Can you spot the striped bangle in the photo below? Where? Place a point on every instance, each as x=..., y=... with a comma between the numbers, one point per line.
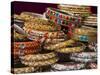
x=38, y=57
x=24, y=70
x=84, y=55
x=85, y=60
x=68, y=66
x=71, y=49
x=60, y=17
x=40, y=63
x=59, y=45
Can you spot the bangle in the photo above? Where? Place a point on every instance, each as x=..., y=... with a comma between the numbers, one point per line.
x=41, y=25
x=68, y=66
x=60, y=17
x=40, y=63
x=38, y=57
x=59, y=45
x=87, y=55
x=85, y=31
x=84, y=38
x=85, y=60
x=24, y=70
x=71, y=49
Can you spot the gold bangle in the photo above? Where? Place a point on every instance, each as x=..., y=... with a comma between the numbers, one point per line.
x=24, y=70
x=59, y=45
x=40, y=63
x=71, y=49
x=38, y=57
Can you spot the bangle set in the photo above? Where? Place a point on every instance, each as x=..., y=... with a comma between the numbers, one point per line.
x=68, y=66
x=24, y=70
x=59, y=45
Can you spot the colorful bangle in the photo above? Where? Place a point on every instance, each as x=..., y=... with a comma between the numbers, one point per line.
x=68, y=66
x=38, y=57
x=40, y=63
x=60, y=17
x=24, y=70
x=85, y=60
x=71, y=49
x=59, y=45
x=87, y=55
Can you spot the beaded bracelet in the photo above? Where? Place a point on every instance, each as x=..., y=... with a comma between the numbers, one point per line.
x=24, y=70
x=85, y=55
x=60, y=17
x=78, y=59
x=38, y=57
x=68, y=66
x=71, y=49
x=40, y=63
x=59, y=45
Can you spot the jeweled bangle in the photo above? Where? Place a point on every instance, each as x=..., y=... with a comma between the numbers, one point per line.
x=68, y=66
x=85, y=31
x=29, y=44
x=85, y=55
x=47, y=34
x=41, y=26
x=78, y=59
x=59, y=45
x=84, y=38
x=23, y=70
x=40, y=63
x=71, y=49
x=38, y=57
x=60, y=17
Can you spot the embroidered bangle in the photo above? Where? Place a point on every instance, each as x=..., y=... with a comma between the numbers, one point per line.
x=71, y=49
x=40, y=63
x=59, y=45
x=24, y=70
x=38, y=57
x=77, y=59
x=87, y=55
x=60, y=17
x=68, y=66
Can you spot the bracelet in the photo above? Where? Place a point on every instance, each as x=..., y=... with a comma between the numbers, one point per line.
x=84, y=38
x=76, y=9
x=85, y=31
x=59, y=45
x=87, y=55
x=68, y=66
x=29, y=44
x=41, y=25
x=71, y=49
x=60, y=17
x=38, y=57
x=24, y=70
x=40, y=63
x=85, y=60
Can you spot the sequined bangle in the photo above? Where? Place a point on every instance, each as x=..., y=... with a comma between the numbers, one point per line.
x=38, y=57
x=40, y=63
x=71, y=49
x=68, y=66
x=59, y=45
x=24, y=70
x=87, y=55
x=83, y=59
x=60, y=17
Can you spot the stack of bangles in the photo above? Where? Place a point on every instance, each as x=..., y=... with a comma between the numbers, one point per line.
x=76, y=9
x=84, y=57
x=85, y=34
x=24, y=70
x=68, y=66
x=39, y=59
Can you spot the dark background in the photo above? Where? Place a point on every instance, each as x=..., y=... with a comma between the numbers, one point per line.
x=17, y=7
